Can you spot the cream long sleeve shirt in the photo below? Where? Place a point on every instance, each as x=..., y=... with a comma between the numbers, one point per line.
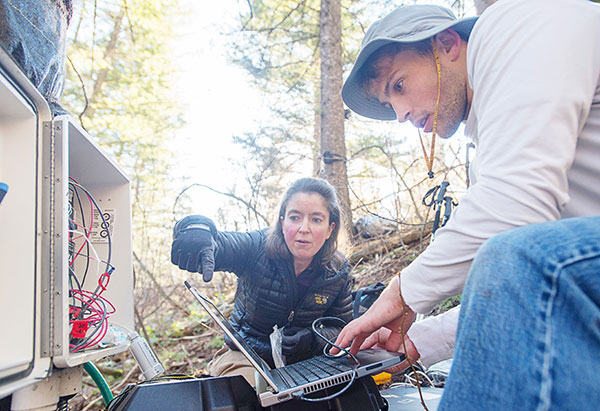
x=534, y=67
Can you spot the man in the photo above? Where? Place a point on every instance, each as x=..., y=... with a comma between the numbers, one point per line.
x=525, y=78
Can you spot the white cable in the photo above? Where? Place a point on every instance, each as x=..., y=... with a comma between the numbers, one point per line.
x=129, y=331
x=97, y=259
x=410, y=379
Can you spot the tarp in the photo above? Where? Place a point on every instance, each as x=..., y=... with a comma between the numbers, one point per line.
x=33, y=33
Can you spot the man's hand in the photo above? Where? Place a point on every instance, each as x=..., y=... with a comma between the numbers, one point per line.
x=386, y=339
x=388, y=311
x=193, y=247
x=296, y=343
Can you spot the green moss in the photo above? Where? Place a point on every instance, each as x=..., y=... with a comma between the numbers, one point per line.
x=216, y=342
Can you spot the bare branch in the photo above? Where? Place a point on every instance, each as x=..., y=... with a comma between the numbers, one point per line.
x=241, y=200
x=87, y=102
x=400, y=176
x=158, y=286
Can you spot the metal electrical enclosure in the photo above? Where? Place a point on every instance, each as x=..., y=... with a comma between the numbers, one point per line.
x=38, y=157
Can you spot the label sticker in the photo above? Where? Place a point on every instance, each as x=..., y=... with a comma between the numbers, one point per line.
x=101, y=229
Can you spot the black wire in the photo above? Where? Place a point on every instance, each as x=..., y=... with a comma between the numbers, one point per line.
x=105, y=224
x=103, y=220
x=87, y=244
x=329, y=343
x=108, y=270
x=72, y=275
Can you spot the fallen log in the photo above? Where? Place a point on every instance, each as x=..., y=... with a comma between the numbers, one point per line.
x=368, y=250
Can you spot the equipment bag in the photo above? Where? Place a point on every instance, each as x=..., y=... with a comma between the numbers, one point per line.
x=364, y=297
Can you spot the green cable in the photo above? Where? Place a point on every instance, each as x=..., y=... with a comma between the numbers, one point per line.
x=93, y=371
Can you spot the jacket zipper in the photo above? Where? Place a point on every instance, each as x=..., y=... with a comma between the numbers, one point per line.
x=294, y=288
x=308, y=292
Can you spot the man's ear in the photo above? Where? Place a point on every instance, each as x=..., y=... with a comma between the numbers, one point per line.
x=448, y=42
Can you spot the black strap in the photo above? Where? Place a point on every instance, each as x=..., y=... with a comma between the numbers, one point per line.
x=330, y=158
x=356, y=302
x=372, y=289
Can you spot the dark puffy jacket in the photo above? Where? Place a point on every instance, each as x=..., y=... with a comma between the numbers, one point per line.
x=267, y=290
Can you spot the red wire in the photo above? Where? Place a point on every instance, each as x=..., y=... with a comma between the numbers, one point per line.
x=101, y=284
x=91, y=295
x=96, y=316
x=89, y=299
x=100, y=336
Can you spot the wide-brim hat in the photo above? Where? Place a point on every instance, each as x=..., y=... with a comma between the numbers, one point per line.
x=406, y=24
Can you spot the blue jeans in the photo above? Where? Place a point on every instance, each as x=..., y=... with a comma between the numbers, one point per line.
x=529, y=330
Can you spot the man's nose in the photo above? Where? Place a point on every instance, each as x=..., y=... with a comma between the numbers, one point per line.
x=402, y=114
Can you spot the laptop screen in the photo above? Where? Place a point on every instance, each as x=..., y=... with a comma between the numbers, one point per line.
x=220, y=319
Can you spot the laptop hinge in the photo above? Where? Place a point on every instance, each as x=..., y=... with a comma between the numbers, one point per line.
x=261, y=384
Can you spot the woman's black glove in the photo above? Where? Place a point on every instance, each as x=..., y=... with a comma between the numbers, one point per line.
x=296, y=344
x=193, y=247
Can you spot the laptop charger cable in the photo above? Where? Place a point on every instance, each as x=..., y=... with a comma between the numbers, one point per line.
x=316, y=325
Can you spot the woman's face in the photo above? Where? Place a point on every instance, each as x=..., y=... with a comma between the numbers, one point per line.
x=306, y=226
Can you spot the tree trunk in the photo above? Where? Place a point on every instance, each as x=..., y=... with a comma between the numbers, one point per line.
x=333, y=145
x=111, y=47
x=316, y=146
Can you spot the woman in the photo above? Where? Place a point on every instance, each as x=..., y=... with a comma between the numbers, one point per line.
x=288, y=275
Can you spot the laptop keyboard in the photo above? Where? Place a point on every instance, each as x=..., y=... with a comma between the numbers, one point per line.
x=313, y=369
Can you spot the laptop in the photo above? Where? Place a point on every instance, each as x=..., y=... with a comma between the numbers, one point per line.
x=306, y=377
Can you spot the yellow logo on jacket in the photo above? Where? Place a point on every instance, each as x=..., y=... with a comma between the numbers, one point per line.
x=321, y=299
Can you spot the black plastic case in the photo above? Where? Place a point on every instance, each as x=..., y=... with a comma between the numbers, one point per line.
x=235, y=394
